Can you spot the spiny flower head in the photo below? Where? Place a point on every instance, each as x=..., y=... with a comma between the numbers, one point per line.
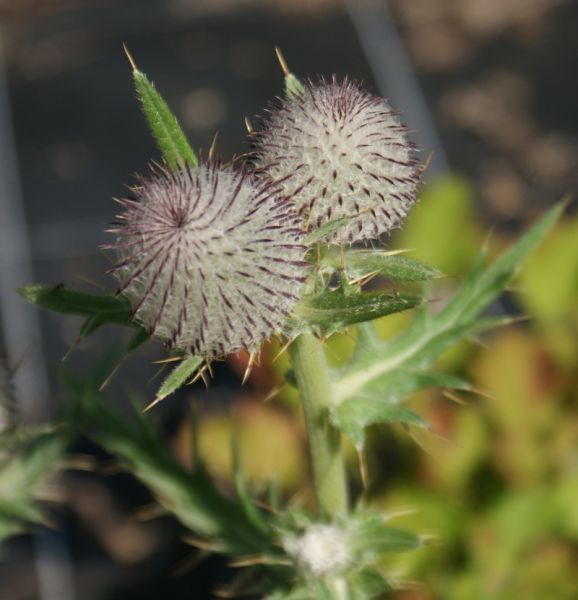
x=338, y=151
x=210, y=259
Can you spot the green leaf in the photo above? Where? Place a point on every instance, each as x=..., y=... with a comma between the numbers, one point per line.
x=371, y=536
x=319, y=233
x=382, y=374
x=368, y=583
x=362, y=262
x=381, y=403
x=113, y=309
x=331, y=311
x=297, y=593
x=190, y=496
x=163, y=124
x=352, y=417
x=179, y=376
x=22, y=471
x=293, y=86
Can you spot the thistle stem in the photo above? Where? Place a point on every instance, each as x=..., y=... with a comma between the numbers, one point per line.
x=314, y=383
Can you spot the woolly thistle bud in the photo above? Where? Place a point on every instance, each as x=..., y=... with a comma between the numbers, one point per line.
x=210, y=259
x=322, y=549
x=338, y=152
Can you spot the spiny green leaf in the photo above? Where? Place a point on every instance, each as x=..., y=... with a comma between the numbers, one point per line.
x=354, y=416
x=164, y=126
x=383, y=373
x=21, y=472
x=491, y=283
x=362, y=262
x=13, y=438
x=371, y=536
x=191, y=497
x=296, y=593
x=367, y=584
x=114, y=309
x=293, y=87
x=179, y=376
x=332, y=310
x=319, y=233
x=359, y=263
x=381, y=401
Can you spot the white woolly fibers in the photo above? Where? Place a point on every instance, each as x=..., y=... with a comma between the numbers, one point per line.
x=322, y=549
x=210, y=259
x=338, y=151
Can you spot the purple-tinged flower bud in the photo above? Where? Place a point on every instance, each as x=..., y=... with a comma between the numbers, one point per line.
x=210, y=259
x=338, y=151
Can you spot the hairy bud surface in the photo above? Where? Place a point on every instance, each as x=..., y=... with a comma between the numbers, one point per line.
x=210, y=259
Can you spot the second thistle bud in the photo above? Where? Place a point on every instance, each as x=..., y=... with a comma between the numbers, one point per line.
x=210, y=259
x=338, y=151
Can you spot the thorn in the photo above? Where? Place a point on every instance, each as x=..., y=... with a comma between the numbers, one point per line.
x=156, y=374
x=169, y=360
x=154, y=403
x=80, y=462
x=189, y=563
x=425, y=165
x=213, y=147
x=92, y=282
x=402, y=512
x=247, y=373
x=483, y=393
x=130, y=58
x=148, y=512
x=247, y=561
x=209, y=368
x=283, y=349
x=199, y=375
x=454, y=397
x=262, y=504
x=248, y=125
x=200, y=544
x=112, y=373
x=363, y=470
x=203, y=376
x=258, y=559
x=364, y=279
x=274, y=392
x=282, y=62
x=72, y=348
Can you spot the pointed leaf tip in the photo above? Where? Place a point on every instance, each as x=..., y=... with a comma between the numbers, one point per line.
x=177, y=377
x=163, y=124
x=130, y=58
x=282, y=62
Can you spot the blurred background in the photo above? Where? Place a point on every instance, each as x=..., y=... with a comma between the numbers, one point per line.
x=489, y=89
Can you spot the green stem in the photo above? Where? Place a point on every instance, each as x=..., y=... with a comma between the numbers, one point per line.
x=314, y=383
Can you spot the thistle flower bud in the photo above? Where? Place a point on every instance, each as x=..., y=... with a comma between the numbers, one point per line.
x=321, y=549
x=210, y=259
x=338, y=152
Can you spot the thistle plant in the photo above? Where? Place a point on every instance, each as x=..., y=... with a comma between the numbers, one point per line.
x=213, y=259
